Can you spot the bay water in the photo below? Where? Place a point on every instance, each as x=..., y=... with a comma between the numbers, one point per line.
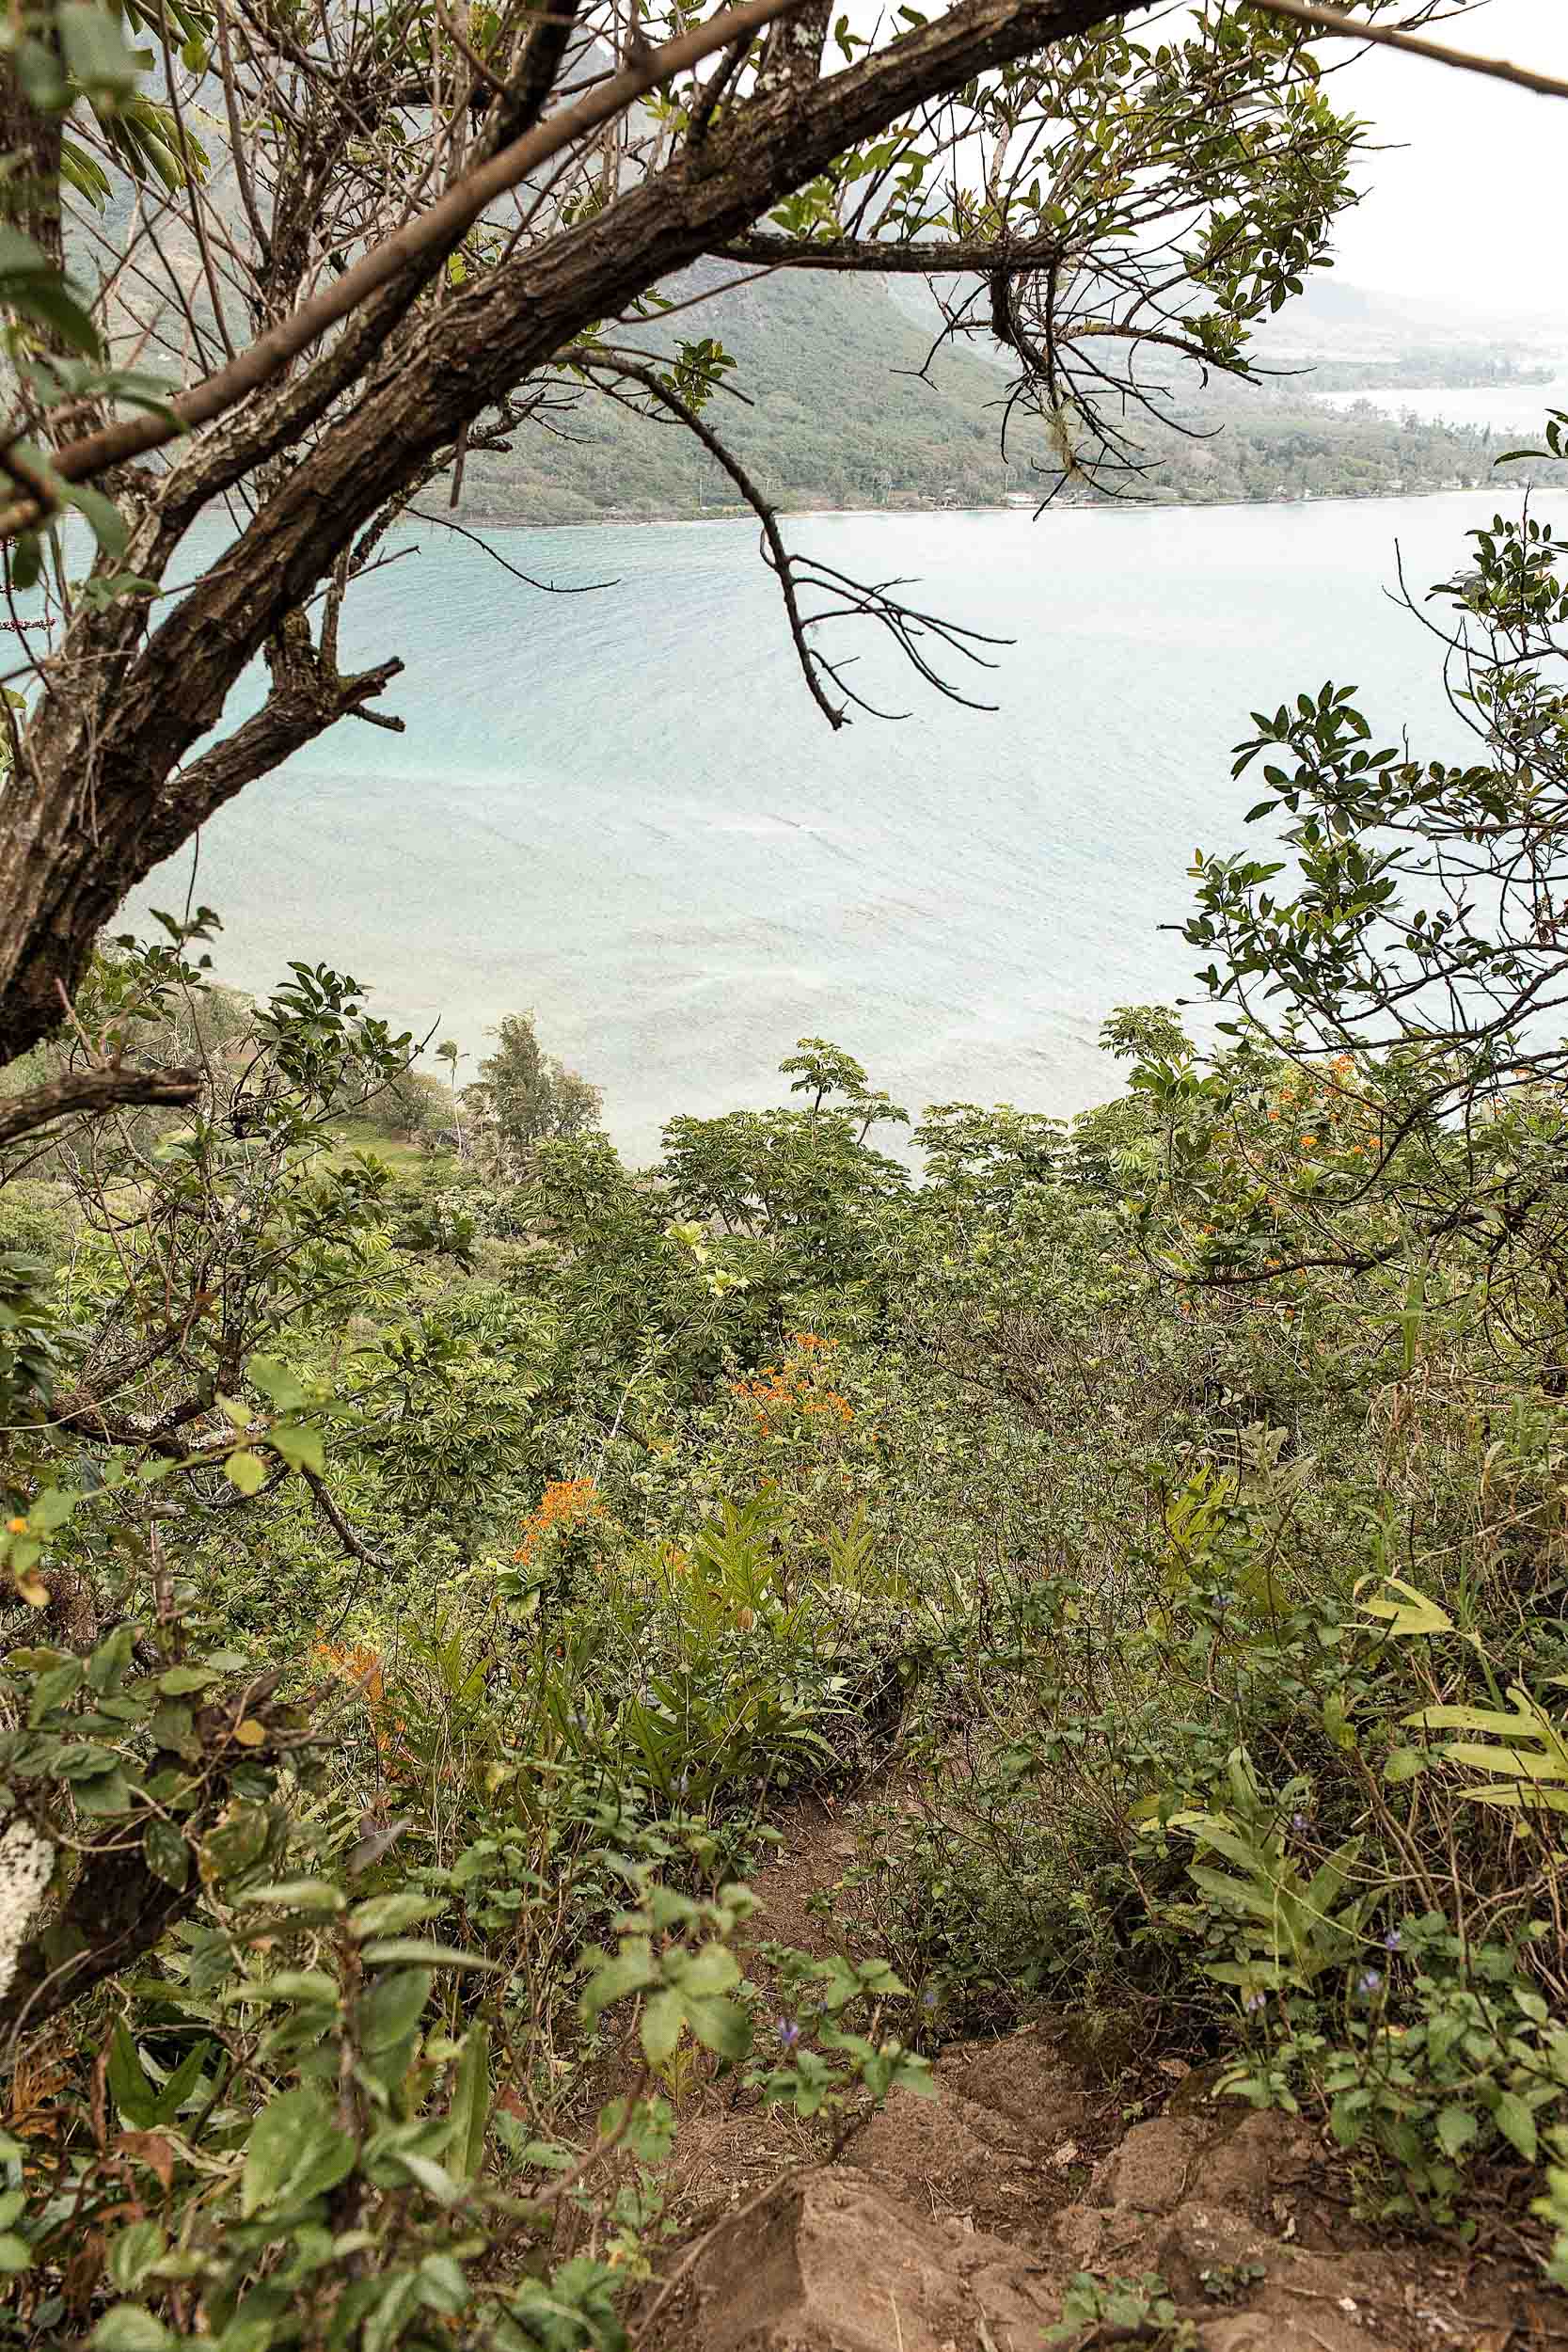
x=622, y=811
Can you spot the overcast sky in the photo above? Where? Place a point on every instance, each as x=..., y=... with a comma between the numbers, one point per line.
x=1470, y=207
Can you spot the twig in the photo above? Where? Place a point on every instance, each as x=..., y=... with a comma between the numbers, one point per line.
x=1327, y=20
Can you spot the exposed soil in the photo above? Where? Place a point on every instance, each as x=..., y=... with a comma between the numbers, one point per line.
x=958, y=2224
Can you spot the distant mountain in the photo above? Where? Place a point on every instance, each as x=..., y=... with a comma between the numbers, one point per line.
x=1331, y=319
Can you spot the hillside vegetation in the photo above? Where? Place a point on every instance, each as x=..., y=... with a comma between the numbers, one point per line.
x=861, y=413
x=1175, y=1495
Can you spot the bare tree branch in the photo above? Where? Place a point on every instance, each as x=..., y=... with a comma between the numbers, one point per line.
x=1319, y=19
x=94, y=1090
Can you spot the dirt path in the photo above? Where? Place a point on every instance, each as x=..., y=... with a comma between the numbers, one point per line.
x=960, y=2224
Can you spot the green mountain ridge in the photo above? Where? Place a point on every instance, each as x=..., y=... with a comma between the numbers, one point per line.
x=843, y=403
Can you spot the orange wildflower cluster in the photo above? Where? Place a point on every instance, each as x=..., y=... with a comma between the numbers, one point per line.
x=360, y=1667
x=565, y=1502
x=1330, y=1103
x=355, y=1664
x=779, y=1390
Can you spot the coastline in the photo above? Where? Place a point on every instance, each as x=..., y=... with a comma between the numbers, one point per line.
x=482, y=519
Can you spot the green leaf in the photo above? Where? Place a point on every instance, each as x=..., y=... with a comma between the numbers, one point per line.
x=179, y=1680
x=629, y=1972
x=662, y=2020
x=442, y=2284
x=95, y=50
x=384, y=1915
x=400, y=2298
x=1456, y=2128
x=110, y=526
x=714, y=1969
x=299, y=1445
x=181, y=2083
x=1516, y=2124
x=721, y=2027
x=297, y=2151
x=388, y=2013
x=470, y=2105
x=49, y=301
x=126, y=2329
x=246, y=1470
x=108, y=1792
x=277, y=1384
x=109, y=1662
x=300, y=1895
x=53, y=1687
x=428, y=1955
x=169, y=1857
x=129, y=2088
x=52, y=1510
x=18, y=256
x=15, y=2254
x=43, y=85
x=311, y=1986
x=1412, y=1613
x=134, y=2253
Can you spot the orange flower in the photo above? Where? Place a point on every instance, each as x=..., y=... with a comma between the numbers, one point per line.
x=356, y=1664
x=776, y=1391
x=565, y=1502
x=1309, y=1143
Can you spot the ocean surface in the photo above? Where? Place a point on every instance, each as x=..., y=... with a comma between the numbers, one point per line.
x=623, y=812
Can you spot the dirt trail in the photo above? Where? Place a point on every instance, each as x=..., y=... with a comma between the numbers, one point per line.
x=959, y=2224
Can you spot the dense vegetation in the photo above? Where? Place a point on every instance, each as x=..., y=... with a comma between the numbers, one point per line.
x=437, y=1560
x=432, y=1551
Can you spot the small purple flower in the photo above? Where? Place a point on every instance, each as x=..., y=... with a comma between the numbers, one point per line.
x=789, y=2032
x=1254, y=2002
x=929, y=1998
x=1392, y=1942
x=1368, y=1984
x=1300, y=1823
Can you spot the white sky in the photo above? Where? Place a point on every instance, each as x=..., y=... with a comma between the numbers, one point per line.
x=1471, y=208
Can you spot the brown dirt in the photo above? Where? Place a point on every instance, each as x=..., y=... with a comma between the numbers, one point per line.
x=955, y=2225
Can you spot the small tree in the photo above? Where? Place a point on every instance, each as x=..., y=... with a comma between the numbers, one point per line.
x=525, y=1095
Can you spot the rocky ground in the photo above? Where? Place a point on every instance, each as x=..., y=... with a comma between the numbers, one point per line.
x=961, y=2224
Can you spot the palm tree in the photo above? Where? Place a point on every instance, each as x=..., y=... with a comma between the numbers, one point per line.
x=446, y=1052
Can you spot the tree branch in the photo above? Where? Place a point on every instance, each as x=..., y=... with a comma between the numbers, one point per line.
x=343, y=1528
x=1319, y=19
x=435, y=230
x=94, y=1090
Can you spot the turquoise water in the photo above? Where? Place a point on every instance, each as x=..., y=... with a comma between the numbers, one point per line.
x=623, y=811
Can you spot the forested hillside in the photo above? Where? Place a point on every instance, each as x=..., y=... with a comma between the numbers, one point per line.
x=860, y=412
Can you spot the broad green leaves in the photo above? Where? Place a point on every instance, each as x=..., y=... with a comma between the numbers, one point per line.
x=297, y=2151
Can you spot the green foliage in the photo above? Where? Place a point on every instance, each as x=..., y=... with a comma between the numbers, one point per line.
x=1136, y=2309
x=524, y=1097
x=434, y=1581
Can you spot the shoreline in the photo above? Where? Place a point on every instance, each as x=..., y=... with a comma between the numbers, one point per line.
x=479, y=518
